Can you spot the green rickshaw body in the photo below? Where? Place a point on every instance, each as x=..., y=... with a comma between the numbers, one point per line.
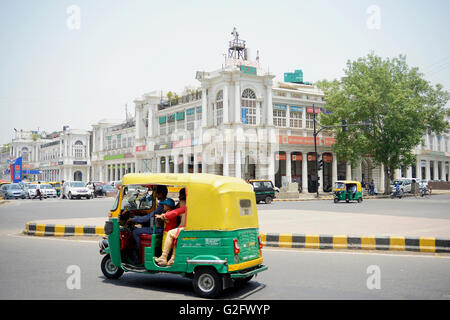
x=342, y=191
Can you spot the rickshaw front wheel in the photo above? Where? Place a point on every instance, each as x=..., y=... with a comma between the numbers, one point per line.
x=207, y=283
x=109, y=269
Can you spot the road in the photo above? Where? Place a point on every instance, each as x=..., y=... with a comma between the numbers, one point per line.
x=36, y=268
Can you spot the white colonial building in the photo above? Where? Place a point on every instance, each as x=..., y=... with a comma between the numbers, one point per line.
x=63, y=155
x=240, y=122
x=113, y=149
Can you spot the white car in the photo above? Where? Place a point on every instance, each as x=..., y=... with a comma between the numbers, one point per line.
x=30, y=190
x=47, y=190
x=75, y=189
x=404, y=184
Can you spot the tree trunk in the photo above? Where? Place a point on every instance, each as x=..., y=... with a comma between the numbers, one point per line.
x=387, y=180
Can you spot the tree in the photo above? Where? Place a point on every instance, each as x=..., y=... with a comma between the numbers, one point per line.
x=394, y=105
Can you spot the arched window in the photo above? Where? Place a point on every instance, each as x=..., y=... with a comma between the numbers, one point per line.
x=248, y=107
x=219, y=108
x=78, y=149
x=25, y=154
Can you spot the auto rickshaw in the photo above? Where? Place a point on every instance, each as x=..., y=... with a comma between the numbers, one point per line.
x=264, y=190
x=57, y=186
x=347, y=191
x=219, y=247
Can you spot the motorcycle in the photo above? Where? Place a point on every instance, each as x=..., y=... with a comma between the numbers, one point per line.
x=397, y=194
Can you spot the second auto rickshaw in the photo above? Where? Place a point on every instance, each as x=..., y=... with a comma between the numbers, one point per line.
x=219, y=245
x=347, y=191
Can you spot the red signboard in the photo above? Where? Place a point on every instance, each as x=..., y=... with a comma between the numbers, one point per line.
x=310, y=110
x=297, y=157
x=140, y=148
x=182, y=143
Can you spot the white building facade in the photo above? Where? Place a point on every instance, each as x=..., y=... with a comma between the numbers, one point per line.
x=242, y=123
x=113, y=150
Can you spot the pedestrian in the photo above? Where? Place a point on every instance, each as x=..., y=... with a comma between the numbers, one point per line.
x=38, y=191
x=371, y=188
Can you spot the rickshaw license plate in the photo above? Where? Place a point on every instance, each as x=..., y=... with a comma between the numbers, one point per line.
x=245, y=207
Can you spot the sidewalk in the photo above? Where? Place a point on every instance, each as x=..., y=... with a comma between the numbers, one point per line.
x=329, y=196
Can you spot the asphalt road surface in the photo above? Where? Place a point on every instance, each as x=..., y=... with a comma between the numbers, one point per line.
x=41, y=268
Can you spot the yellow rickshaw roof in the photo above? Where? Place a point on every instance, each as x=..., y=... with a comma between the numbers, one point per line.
x=347, y=181
x=212, y=201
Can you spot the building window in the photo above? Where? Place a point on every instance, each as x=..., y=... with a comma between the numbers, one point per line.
x=309, y=121
x=78, y=149
x=279, y=118
x=295, y=119
x=190, y=119
x=248, y=107
x=219, y=108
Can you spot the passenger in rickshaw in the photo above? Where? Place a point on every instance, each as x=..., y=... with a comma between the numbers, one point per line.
x=161, y=195
x=172, y=234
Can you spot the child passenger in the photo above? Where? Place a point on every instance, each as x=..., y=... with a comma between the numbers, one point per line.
x=172, y=234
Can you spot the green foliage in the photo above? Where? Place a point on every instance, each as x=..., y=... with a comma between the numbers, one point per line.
x=399, y=103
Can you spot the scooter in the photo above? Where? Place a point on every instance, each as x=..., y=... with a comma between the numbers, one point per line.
x=397, y=194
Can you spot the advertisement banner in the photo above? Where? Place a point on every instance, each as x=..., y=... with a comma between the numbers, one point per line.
x=16, y=169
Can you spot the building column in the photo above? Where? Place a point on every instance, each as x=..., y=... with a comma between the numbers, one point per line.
x=409, y=172
x=204, y=108
x=321, y=176
x=288, y=167
x=225, y=104
x=435, y=170
x=348, y=171
x=185, y=163
x=334, y=170
x=238, y=162
x=226, y=165
x=167, y=167
x=427, y=170
x=158, y=164
x=304, y=172
x=195, y=162
x=381, y=185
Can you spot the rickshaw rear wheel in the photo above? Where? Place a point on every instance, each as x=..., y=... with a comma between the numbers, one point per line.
x=207, y=283
x=109, y=269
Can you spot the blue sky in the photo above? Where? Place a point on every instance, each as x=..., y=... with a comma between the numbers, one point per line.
x=52, y=76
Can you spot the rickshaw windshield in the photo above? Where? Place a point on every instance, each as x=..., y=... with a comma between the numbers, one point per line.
x=339, y=185
x=136, y=196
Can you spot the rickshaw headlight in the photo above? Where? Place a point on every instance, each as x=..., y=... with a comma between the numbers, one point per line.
x=237, y=249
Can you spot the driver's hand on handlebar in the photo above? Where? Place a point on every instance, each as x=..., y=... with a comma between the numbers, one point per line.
x=130, y=220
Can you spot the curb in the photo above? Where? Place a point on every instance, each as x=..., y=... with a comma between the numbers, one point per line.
x=52, y=230
x=390, y=243
x=287, y=240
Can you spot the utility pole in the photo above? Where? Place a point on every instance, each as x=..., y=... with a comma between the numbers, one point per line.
x=315, y=152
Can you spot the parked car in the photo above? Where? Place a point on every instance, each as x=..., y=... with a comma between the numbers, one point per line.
x=30, y=191
x=48, y=190
x=404, y=183
x=108, y=190
x=11, y=191
x=76, y=189
x=264, y=190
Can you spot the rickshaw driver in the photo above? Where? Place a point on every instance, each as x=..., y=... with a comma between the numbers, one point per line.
x=161, y=195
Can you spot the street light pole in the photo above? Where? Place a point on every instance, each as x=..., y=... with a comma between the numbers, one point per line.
x=315, y=152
